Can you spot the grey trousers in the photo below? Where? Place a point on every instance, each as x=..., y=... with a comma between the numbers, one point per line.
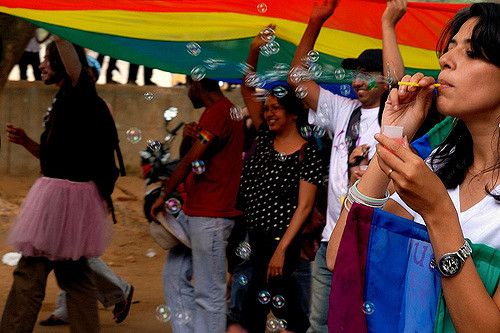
x=111, y=288
x=28, y=291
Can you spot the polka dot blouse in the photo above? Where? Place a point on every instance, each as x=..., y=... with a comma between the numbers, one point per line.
x=269, y=186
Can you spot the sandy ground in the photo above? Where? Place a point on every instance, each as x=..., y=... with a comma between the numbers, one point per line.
x=126, y=255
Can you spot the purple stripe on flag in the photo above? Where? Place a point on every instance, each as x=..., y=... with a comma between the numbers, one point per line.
x=346, y=296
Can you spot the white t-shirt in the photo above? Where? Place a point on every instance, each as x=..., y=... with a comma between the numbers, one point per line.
x=333, y=112
x=480, y=223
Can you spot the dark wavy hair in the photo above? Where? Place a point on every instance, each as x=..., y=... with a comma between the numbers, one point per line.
x=455, y=155
x=290, y=102
x=57, y=65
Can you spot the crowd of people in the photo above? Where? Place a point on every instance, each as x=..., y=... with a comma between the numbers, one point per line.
x=268, y=200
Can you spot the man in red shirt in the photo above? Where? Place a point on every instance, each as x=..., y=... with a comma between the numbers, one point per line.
x=207, y=214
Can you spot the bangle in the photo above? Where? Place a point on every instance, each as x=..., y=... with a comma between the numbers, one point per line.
x=354, y=195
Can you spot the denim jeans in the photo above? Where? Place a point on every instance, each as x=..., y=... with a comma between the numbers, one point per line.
x=321, y=285
x=111, y=289
x=202, y=307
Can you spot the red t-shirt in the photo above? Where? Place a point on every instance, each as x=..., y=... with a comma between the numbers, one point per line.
x=213, y=193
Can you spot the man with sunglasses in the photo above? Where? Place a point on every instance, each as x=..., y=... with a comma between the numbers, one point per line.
x=353, y=122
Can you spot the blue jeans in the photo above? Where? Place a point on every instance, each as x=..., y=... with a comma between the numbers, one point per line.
x=205, y=262
x=321, y=285
x=111, y=288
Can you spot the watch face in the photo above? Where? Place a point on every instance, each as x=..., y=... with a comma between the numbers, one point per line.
x=450, y=264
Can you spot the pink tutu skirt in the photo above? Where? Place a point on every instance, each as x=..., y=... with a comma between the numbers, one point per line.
x=61, y=220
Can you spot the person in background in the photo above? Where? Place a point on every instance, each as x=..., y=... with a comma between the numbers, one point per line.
x=277, y=191
x=207, y=215
x=353, y=122
x=63, y=220
x=132, y=75
x=31, y=56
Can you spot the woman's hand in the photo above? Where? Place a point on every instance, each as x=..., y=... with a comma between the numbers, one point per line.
x=191, y=129
x=16, y=135
x=258, y=41
x=394, y=12
x=408, y=106
x=412, y=178
x=324, y=10
x=275, y=267
x=158, y=206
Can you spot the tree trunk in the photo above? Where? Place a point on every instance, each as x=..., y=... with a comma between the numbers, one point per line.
x=15, y=34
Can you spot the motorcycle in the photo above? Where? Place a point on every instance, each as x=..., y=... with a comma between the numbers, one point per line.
x=158, y=166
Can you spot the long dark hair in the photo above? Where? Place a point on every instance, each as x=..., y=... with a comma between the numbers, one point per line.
x=455, y=155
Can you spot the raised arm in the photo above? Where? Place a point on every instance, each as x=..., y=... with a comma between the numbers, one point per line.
x=393, y=13
x=248, y=93
x=319, y=15
x=69, y=58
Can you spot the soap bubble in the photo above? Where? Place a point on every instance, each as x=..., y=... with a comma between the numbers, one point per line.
x=193, y=48
x=154, y=145
x=280, y=66
x=315, y=71
x=319, y=131
x=182, y=317
x=262, y=8
x=212, y=64
x=312, y=56
x=267, y=34
x=264, y=50
x=273, y=325
x=134, y=135
x=279, y=91
x=273, y=47
x=282, y=324
x=306, y=131
x=368, y=308
x=244, y=251
x=345, y=89
x=281, y=157
x=198, y=73
x=148, y=95
x=264, y=297
x=243, y=280
x=255, y=80
x=244, y=68
x=296, y=74
x=163, y=313
x=173, y=205
x=198, y=167
x=236, y=113
x=301, y=91
x=278, y=301
x=339, y=74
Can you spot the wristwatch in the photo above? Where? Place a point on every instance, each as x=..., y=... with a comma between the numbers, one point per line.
x=450, y=264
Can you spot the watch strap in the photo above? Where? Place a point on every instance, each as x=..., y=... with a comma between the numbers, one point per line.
x=463, y=253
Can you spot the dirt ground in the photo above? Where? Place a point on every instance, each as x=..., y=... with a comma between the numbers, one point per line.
x=126, y=255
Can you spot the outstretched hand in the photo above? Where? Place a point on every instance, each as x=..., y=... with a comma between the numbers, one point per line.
x=408, y=106
x=16, y=135
x=394, y=11
x=323, y=10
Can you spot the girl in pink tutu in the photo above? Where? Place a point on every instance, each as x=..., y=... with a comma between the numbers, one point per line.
x=63, y=219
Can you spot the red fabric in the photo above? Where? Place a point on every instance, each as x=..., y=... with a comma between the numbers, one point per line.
x=346, y=296
x=213, y=193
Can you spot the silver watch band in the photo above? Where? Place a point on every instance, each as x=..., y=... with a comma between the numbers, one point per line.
x=463, y=253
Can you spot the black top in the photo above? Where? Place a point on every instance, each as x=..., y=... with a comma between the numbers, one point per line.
x=75, y=139
x=269, y=187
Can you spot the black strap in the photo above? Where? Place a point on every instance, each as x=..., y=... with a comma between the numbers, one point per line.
x=120, y=159
x=352, y=133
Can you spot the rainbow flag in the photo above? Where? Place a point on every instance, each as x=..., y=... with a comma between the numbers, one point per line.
x=155, y=32
x=382, y=281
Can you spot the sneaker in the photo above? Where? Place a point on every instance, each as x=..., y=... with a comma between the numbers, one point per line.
x=53, y=321
x=122, y=308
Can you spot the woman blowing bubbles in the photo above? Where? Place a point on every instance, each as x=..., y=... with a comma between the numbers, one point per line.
x=465, y=184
